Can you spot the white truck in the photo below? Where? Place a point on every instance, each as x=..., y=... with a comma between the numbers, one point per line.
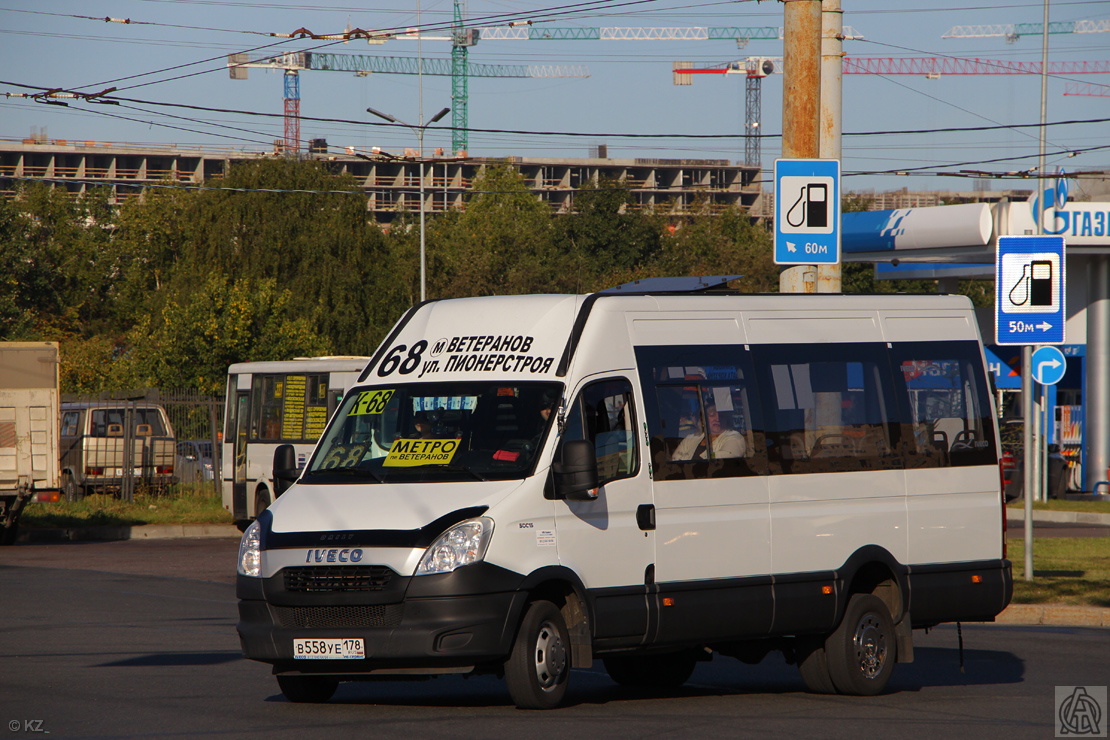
x=28, y=428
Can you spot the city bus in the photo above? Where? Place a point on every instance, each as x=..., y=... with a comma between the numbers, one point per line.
x=269, y=404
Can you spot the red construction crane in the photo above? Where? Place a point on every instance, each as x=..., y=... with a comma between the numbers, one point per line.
x=756, y=68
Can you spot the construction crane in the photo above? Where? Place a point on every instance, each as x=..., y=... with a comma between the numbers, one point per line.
x=1087, y=88
x=936, y=66
x=1013, y=31
x=293, y=63
x=756, y=68
x=462, y=38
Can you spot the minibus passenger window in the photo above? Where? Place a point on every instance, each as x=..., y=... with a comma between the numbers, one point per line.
x=828, y=408
x=949, y=411
x=702, y=415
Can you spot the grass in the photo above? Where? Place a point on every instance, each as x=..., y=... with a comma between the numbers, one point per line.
x=183, y=505
x=1066, y=570
x=1099, y=507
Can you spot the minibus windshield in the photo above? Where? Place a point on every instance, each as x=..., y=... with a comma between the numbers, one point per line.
x=434, y=432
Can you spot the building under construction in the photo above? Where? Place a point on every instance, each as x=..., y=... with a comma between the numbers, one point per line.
x=392, y=184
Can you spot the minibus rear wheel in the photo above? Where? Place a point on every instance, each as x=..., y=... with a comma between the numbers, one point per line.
x=813, y=664
x=307, y=689
x=861, y=652
x=537, y=670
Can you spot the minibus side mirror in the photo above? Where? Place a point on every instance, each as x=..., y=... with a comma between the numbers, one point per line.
x=285, y=468
x=574, y=471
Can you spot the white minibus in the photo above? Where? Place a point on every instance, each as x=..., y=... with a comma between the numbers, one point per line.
x=269, y=404
x=650, y=476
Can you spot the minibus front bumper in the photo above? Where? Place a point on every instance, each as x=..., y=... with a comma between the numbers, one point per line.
x=435, y=627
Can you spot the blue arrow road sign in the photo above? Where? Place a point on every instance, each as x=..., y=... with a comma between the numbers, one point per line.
x=1029, y=290
x=807, y=211
x=1049, y=365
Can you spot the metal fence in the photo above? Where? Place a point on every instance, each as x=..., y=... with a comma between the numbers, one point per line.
x=148, y=440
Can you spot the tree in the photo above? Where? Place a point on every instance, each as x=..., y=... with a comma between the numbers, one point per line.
x=54, y=245
x=304, y=227
x=501, y=244
x=726, y=244
x=605, y=234
x=196, y=335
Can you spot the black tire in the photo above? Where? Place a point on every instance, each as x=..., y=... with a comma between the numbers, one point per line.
x=70, y=490
x=538, y=668
x=9, y=534
x=261, y=501
x=862, y=651
x=307, y=689
x=813, y=664
x=666, y=671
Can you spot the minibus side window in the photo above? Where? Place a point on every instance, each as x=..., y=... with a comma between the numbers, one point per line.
x=828, y=407
x=604, y=413
x=948, y=412
x=692, y=390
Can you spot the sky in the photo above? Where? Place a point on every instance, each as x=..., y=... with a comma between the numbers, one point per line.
x=168, y=65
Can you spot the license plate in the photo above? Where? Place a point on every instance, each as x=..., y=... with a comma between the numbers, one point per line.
x=351, y=648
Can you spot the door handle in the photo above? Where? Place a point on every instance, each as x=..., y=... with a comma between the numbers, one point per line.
x=645, y=516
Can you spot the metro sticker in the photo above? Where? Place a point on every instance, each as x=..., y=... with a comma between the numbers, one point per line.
x=412, y=452
x=371, y=402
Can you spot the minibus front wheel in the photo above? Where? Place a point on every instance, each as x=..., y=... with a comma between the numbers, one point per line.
x=537, y=670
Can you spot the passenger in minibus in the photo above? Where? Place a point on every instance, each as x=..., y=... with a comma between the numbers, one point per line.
x=723, y=442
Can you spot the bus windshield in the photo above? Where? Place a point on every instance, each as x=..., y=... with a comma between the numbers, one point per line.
x=435, y=432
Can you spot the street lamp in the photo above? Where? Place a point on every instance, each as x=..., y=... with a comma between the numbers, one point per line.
x=419, y=131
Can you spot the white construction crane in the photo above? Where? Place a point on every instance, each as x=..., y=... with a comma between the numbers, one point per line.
x=1013, y=31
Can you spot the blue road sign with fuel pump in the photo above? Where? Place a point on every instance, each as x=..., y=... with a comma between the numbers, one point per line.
x=1029, y=290
x=807, y=211
x=1049, y=365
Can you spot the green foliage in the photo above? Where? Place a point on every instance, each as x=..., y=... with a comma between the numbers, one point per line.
x=191, y=341
x=501, y=244
x=279, y=258
x=726, y=244
x=606, y=234
x=318, y=246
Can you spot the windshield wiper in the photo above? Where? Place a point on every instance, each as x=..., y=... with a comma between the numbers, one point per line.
x=454, y=468
x=350, y=472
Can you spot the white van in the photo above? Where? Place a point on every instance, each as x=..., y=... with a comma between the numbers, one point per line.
x=519, y=485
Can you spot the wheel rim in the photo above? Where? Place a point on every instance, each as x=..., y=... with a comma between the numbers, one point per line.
x=869, y=644
x=551, y=656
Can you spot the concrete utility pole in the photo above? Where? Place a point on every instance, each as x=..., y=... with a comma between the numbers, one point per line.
x=829, y=120
x=801, y=95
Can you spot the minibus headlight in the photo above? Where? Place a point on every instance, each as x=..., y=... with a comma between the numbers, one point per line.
x=250, y=551
x=462, y=544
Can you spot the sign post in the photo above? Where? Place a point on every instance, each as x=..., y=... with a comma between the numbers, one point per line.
x=807, y=211
x=1029, y=290
x=1029, y=308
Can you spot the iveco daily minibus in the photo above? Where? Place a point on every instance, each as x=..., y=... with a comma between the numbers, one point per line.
x=650, y=476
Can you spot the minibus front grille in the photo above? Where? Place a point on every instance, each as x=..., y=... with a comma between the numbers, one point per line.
x=308, y=617
x=343, y=578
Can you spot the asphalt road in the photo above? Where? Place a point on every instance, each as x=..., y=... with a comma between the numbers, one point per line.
x=137, y=639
